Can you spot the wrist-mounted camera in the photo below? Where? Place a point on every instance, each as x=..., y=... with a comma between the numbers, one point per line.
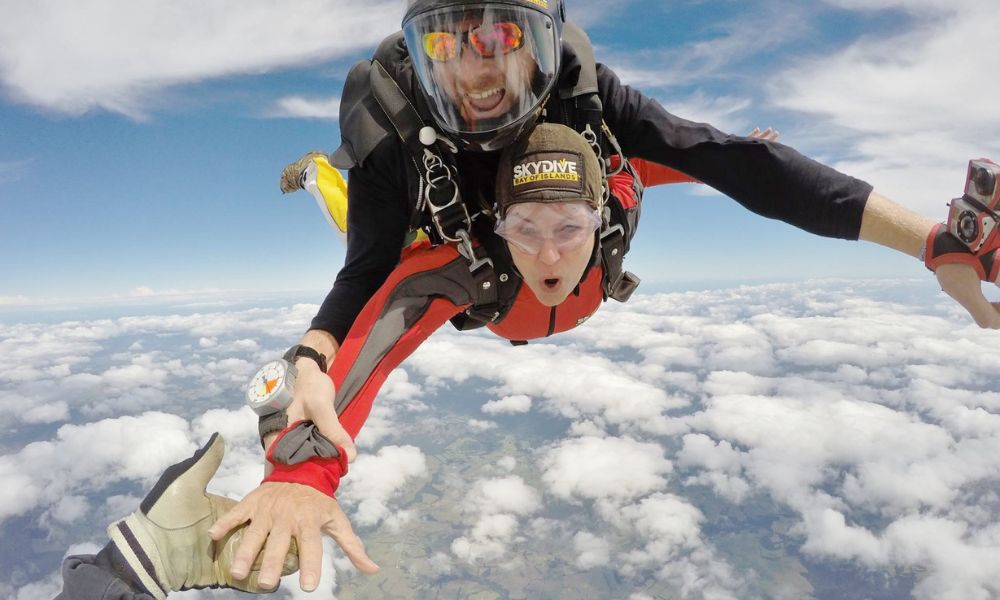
x=973, y=218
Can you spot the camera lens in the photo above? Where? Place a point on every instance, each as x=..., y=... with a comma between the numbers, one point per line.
x=985, y=180
x=968, y=227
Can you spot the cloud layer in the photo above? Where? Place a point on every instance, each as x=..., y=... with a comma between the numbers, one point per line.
x=709, y=444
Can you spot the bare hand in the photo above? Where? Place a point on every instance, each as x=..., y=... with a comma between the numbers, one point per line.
x=768, y=134
x=963, y=284
x=278, y=512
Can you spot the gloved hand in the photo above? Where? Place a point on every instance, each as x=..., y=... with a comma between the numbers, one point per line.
x=166, y=542
x=293, y=175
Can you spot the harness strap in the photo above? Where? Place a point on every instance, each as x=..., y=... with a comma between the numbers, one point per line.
x=400, y=111
x=617, y=283
x=438, y=192
x=486, y=306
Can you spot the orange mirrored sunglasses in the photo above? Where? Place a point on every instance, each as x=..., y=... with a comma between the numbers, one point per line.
x=487, y=40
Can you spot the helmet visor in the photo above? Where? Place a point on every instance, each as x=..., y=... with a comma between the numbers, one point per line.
x=482, y=66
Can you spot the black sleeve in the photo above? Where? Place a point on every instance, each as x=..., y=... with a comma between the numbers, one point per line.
x=378, y=213
x=767, y=178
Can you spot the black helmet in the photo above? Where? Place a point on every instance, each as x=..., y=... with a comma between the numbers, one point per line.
x=486, y=68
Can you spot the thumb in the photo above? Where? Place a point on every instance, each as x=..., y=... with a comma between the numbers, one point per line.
x=325, y=418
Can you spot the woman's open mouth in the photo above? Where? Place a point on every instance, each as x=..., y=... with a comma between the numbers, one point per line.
x=551, y=283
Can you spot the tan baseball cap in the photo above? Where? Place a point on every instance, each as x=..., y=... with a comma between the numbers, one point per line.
x=552, y=164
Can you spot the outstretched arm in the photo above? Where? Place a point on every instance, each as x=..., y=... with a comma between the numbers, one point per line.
x=296, y=500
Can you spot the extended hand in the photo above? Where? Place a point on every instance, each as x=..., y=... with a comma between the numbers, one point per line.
x=962, y=283
x=278, y=512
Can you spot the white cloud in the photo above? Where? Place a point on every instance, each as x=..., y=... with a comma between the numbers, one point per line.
x=508, y=405
x=47, y=588
x=592, y=551
x=596, y=468
x=127, y=448
x=670, y=522
x=713, y=55
x=169, y=45
x=375, y=479
x=14, y=300
x=398, y=395
x=725, y=113
x=46, y=413
x=480, y=425
x=69, y=509
x=914, y=105
x=142, y=291
x=507, y=463
x=496, y=505
x=503, y=495
x=562, y=380
x=308, y=108
x=488, y=539
x=669, y=530
x=722, y=463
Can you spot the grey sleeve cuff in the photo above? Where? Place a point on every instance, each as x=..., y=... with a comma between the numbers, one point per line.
x=303, y=442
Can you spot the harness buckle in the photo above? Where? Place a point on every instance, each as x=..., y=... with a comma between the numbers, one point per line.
x=608, y=232
x=465, y=249
x=446, y=212
x=625, y=286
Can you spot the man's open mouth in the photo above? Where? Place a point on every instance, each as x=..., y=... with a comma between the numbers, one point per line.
x=485, y=100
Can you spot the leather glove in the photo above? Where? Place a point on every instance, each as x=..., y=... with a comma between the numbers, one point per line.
x=166, y=541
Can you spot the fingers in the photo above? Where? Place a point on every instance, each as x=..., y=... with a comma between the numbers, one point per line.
x=339, y=528
x=768, y=134
x=253, y=540
x=273, y=559
x=233, y=518
x=310, y=559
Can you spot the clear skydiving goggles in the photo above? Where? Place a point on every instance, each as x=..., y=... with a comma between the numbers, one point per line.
x=529, y=225
x=487, y=40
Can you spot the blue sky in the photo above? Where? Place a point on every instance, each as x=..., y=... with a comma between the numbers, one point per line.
x=139, y=156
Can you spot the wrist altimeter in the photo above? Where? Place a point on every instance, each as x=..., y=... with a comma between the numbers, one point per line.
x=270, y=389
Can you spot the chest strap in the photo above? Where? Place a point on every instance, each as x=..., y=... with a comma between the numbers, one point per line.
x=438, y=192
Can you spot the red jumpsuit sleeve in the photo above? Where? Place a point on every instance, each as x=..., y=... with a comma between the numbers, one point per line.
x=651, y=173
x=427, y=288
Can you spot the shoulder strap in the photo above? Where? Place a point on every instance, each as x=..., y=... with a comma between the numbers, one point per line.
x=583, y=50
x=580, y=92
x=580, y=95
x=363, y=125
